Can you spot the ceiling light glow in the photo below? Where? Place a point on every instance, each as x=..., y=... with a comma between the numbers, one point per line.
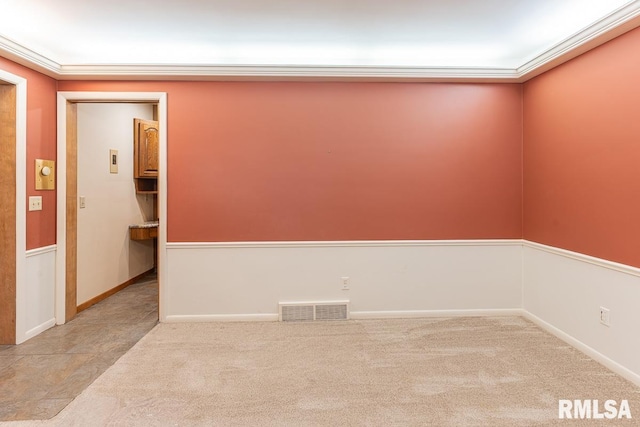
x=405, y=33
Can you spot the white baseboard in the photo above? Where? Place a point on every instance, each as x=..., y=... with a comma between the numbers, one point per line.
x=354, y=315
x=203, y=318
x=595, y=355
x=38, y=329
x=409, y=314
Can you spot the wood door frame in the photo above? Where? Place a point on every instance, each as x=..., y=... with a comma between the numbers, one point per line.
x=66, y=222
x=13, y=305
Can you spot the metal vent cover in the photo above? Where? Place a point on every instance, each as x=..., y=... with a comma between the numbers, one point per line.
x=313, y=310
x=296, y=313
x=331, y=312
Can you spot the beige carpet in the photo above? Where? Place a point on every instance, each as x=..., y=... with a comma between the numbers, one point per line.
x=498, y=371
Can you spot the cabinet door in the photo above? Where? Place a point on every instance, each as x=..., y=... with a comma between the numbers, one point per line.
x=145, y=148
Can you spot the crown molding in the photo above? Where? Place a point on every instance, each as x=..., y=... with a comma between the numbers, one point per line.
x=29, y=58
x=290, y=72
x=616, y=23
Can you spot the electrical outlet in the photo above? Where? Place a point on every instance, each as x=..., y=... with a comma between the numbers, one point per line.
x=35, y=203
x=345, y=283
x=605, y=316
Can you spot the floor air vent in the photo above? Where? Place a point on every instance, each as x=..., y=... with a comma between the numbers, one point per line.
x=308, y=311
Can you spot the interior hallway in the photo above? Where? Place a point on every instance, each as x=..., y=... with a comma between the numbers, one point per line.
x=41, y=376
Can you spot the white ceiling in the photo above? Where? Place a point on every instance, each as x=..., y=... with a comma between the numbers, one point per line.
x=483, y=38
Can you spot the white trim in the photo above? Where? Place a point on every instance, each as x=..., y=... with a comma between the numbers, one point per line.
x=616, y=23
x=162, y=205
x=25, y=56
x=63, y=98
x=264, y=317
x=310, y=302
x=289, y=72
x=341, y=243
x=597, y=356
x=622, y=268
x=41, y=251
x=354, y=315
x=38, y=329
x=112, y=97
x=410, y=314
x=61, y=210
x=522, y=275
x=21, y=193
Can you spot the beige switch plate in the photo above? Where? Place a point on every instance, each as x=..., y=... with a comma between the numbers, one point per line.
x=113, y=161
x=35, y=203
x=45, y=182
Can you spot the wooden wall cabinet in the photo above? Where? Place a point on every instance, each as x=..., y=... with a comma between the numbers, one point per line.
x=145, y=155
x=145, y=176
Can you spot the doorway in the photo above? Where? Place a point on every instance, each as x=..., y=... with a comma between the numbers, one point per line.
x=110, y=202
x=13, y=130
x=66, y=260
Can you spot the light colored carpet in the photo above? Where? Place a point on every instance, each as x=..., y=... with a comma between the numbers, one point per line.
x=497, y=371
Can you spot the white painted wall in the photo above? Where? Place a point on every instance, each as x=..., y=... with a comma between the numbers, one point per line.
x=387, y=279
x=563, y=291
x=38, y=304
x=106, y=255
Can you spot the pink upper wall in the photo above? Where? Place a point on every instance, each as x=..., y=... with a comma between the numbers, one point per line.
x=582, y=153
x=41, y=144
x=325, y=161
x=274, y=161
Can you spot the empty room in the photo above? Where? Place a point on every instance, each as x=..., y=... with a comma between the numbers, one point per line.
x=320, y=213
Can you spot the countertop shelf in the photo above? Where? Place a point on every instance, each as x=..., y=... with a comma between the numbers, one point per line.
x=145, y=231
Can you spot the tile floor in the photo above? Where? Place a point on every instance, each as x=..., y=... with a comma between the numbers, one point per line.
x=40, y=377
